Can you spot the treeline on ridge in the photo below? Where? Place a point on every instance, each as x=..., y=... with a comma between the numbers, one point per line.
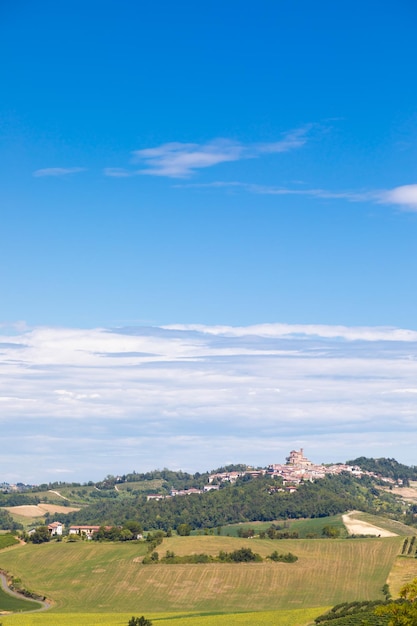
x=389, y=468
x=171, y=479
x=257, y=499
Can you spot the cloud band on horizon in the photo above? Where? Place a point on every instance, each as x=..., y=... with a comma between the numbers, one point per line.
x=267, y=383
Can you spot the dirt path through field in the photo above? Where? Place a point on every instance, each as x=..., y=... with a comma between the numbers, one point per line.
x=57, y=494
x=358, y=527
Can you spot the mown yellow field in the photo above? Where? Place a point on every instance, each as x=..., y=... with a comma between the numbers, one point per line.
x=89, y=576
x=404, y=570
x=298, y=617
x=39, y=510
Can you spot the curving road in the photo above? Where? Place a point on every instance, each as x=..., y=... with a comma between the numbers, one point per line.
x=45, y=604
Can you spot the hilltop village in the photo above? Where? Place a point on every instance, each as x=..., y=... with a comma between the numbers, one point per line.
x=297, y=469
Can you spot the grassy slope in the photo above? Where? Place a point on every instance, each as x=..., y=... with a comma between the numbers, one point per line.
x=7, y=601
x=27, y=522
x=386, y=524
x=404, y=570
x=302, y=526
x=143, y=485
x=86, y=576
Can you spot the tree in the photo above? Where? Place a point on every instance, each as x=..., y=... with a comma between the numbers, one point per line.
x=402, y=613
x=330, y=531
x=134, y=527
x=41, y=535
x=244, y=555
x=184, y=530
x=139, y=621
x=385, y=590
x=125, y=535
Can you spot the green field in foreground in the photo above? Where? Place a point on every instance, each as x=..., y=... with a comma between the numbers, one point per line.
x=11, y=603
x=106, y=577
x=297, y=617
x=302, y=526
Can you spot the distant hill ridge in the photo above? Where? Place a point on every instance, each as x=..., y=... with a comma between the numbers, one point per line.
x=169, y=479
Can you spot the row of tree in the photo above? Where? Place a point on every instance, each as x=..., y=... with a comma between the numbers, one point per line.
x=241, y=555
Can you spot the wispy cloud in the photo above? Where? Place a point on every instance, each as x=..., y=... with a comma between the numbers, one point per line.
x=58, y=171
x=405, y=197
x=182, y=160
x=291, y=140
x=117, y=172
x=271, y=190
x=194, y=396
x=349, y=333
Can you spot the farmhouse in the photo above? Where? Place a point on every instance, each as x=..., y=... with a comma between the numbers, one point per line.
x=55, y=528
x=155, y=496
x=88, y=531
x=185, y=492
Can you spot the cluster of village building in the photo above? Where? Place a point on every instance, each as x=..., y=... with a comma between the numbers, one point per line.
x=297, y=469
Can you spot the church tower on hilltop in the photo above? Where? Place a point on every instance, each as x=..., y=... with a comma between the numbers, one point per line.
x=297, y=458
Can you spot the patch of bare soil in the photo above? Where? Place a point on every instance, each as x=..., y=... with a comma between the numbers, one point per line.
x=358, y=527
x=39, y=510
x=406, y=493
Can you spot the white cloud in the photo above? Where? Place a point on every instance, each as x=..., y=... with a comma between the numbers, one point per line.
x=181, y=160
x=113, y=400
x=350, y=333
x=58, y=171
x=404, y=196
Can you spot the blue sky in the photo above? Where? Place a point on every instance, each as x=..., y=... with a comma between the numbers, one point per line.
x=173, y=168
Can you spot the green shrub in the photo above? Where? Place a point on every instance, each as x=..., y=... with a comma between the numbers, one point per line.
x=139, y=621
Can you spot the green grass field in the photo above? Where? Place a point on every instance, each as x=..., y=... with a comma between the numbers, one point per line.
x=7, y=540
x=297, y=617
x=79, y=496
x=11, y=603
x=143, y=485
x=387, y=524
x=46, y=496
x=302, y=526
x=104, y=577
x=27, y=522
